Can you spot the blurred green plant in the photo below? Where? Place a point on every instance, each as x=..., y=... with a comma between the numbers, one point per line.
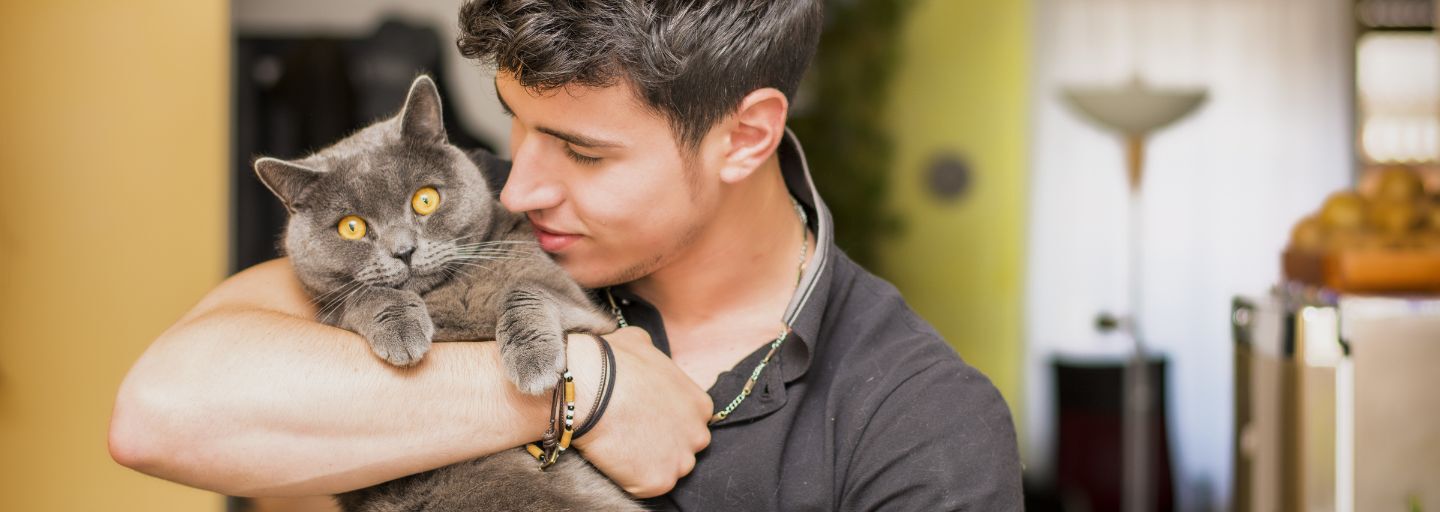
x=840, y=116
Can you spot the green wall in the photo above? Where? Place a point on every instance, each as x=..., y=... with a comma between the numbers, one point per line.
x=963, y=88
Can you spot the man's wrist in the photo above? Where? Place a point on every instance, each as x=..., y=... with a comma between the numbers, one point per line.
x=478, y=374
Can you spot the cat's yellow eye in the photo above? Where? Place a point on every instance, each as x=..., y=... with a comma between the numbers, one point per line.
x=352, y=227
x=425, y=200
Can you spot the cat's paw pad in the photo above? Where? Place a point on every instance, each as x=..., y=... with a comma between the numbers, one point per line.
x=534, y=364
x=403, y=334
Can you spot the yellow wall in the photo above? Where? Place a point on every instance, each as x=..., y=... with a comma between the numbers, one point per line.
x=113, y=144
x=962, y=87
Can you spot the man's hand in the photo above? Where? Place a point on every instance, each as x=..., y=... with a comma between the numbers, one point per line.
x=656, y=421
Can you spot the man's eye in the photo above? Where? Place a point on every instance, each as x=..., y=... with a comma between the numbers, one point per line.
x=579, y=158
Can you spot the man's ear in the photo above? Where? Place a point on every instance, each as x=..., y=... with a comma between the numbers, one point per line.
x=288, y=180
x=754, y=131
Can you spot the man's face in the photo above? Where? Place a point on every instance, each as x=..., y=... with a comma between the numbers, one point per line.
x=612, y=195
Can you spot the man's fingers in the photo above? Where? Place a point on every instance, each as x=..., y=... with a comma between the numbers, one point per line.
x=652, y=487
x=687, y=465
x=702, y=440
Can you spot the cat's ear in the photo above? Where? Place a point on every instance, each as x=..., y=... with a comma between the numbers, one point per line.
x=421, y=119
x=286, y=179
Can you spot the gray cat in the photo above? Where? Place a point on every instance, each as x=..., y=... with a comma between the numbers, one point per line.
x=397, y=237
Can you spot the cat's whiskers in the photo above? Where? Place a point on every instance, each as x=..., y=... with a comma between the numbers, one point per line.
x=488, y=269
x=468, y=247
x=335, y=304
x=450, y=272
x=483, y=258
x=462, y=236
x=489, y=256
x=333, y=295
x=360, y=290
x=324, y=313
x=327, y=295
x=505, y=250
x=475, y=251
x=510, y=254
x=500, y=242
x=492, y=250
x=492, y=243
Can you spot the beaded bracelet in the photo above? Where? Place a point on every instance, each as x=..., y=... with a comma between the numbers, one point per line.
x=562, y=423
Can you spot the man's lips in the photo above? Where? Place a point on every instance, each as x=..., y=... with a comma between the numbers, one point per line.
x=551, y=241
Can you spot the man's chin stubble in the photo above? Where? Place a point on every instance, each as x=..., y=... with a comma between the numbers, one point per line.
x=628, y=274
x=644, y=268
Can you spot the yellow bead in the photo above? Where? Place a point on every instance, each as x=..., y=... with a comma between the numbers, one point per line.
x=425, y=200
x=535, y=451
x=352, y=227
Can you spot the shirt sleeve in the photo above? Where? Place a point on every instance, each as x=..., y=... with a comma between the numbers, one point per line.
x=943, y=439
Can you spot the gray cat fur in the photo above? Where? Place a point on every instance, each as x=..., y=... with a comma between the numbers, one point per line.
x=469, y=271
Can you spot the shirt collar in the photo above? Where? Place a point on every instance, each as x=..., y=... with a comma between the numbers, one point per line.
x=807, y=305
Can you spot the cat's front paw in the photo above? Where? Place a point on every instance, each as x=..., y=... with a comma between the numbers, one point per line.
x=533, y=359
x=402, y=333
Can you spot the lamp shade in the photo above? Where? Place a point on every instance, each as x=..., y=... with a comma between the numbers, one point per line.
x=1134, y=109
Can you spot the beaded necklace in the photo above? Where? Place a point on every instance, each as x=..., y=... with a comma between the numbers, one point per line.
x=774, y=345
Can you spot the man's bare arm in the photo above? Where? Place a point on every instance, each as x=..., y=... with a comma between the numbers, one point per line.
x=246, y=395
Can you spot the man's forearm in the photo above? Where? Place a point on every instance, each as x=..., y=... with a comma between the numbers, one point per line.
x=258, y=402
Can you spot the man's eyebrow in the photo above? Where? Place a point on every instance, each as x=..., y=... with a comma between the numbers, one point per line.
x=577, y=139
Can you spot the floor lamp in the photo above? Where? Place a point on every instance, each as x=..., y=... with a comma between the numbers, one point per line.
x=1134, y=111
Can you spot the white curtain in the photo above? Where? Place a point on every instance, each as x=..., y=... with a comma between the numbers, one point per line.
x=1222, y=189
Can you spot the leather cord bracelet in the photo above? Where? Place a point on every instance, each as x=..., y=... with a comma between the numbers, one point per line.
x=562, y=423
x=602, y=390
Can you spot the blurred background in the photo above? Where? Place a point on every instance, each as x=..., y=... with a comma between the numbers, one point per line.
x=1195, y=243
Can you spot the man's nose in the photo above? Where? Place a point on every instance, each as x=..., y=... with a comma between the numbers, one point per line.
x=532, y=186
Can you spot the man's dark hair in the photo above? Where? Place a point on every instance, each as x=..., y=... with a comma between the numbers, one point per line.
x=690, y=60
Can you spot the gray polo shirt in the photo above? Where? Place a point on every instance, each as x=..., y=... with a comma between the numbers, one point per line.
x=865, y=407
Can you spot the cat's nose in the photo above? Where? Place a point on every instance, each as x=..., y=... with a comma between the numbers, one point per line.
x=403, y=253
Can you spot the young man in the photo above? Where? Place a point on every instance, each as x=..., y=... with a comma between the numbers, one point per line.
x=650, y=152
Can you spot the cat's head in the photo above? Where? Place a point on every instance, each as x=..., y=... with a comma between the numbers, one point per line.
x=391, y=205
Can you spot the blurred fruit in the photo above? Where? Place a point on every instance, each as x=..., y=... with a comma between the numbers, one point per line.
x=1386, y=240
x=1398, y=184
x=1352, y=239
x=1344, y=210
x=1308, y=235
x=1393, y=217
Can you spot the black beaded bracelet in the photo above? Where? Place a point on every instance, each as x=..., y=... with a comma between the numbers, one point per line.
x=603, y=389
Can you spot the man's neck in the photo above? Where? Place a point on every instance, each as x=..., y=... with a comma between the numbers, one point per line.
x=734, y=283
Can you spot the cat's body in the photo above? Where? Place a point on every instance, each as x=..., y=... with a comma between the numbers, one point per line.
x=397, y=237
